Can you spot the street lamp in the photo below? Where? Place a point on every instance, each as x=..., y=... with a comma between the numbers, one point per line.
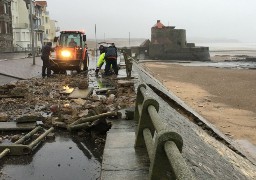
x=29, y=2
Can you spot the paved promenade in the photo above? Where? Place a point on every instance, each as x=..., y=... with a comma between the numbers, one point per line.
x=21, y=68
x=206, y=157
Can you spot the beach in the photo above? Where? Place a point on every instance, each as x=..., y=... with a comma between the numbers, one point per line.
x=225, y=97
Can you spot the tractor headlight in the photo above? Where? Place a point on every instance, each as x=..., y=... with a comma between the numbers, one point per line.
x=66, y=54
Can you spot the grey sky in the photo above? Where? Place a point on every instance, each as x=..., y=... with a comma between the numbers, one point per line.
x=231, y=19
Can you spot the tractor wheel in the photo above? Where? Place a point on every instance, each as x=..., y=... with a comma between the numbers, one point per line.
x=56, y=70
x=86, y=63
x=80, y=67
x=62, y=71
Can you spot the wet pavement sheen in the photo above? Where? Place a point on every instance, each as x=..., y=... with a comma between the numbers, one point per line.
x=64, y=158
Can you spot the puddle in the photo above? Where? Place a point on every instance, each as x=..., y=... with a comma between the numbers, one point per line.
x=228, y=64
x=67, y=90
x=67, y=157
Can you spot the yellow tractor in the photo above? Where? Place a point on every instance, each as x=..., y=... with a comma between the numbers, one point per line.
x=71, y=52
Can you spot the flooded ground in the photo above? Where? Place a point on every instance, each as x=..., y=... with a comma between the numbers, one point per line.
x=66, y=157
x=225, y=64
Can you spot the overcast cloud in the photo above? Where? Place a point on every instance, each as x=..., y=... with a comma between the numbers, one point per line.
x=231, y=19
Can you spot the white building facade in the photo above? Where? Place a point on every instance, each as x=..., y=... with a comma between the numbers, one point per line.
x=20, y=25
x=44, y=28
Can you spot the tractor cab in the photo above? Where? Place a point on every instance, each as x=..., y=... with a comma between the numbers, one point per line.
x=72, y=39
x=71, y=53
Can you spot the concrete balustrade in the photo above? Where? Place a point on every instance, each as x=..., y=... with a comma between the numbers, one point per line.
x=164, y=147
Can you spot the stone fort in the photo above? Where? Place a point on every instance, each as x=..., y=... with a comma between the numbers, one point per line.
x=170, y=43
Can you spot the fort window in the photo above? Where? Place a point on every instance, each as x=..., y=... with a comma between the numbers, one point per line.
x=179, y=43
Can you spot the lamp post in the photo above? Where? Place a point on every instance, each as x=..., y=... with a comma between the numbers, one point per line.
x=32, y=32
x=129, y=39
x=31, y=28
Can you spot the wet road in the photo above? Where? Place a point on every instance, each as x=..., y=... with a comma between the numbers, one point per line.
x=67, y=157
x=6, y=79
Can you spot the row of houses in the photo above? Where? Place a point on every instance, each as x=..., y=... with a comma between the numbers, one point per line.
x=15, y=29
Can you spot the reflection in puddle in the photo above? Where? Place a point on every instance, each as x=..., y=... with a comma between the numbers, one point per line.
x=67, y=90
x=64, y=158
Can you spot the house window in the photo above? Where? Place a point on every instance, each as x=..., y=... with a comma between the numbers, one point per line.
x=47, y=32
x=5, y=8
x=6, y=28
x=46, y=20
x=17, y=36
x=24, y=36
x=28, y=36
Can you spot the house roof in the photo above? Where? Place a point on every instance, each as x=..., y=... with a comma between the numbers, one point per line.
x=159, y=25
x=41, y=3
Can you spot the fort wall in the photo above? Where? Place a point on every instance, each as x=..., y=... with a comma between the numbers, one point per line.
x=170, y=43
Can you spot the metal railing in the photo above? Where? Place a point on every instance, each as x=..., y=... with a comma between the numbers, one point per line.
x=128, y=64
x=164, y=147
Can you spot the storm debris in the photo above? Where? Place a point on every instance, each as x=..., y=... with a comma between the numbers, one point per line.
x=74, y=102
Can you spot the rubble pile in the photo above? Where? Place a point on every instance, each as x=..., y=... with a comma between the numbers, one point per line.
x=47, y=100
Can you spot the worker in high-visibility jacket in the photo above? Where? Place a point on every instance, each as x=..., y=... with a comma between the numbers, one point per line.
x=101, y=59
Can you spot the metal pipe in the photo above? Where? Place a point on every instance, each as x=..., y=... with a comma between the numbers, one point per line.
x=21, y=140
x=156, y=120
x=149, y=143
x=92, y=118
x=35, y=142
x=177, y=162
x=4, y=153
x=78, y=126
x=27, y=136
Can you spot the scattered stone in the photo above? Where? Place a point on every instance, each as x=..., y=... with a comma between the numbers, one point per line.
x=15, y=138
x=83, y=84
x=200, y=123
x=83, y=113
x=125, y=83
x=1, y=140
x=80, y=101
x=3, y=117
x=110, y=99
x=51, y=136
x=18, y=91
x=29, y=119
x=54, y=108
